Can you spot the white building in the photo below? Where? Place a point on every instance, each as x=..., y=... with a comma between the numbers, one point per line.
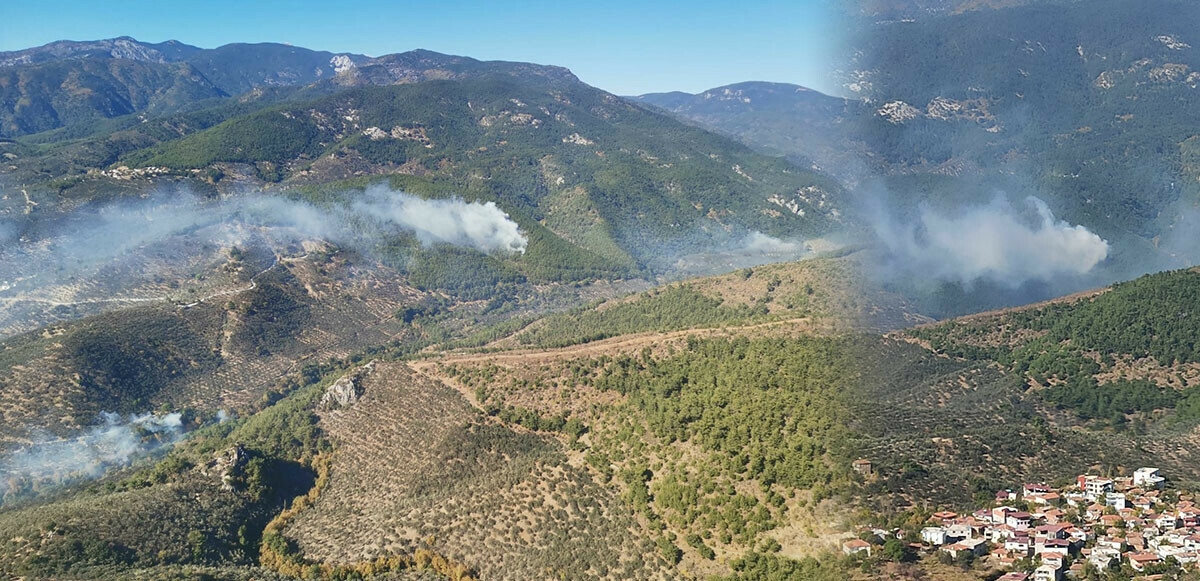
x=1148, y=478
x=1046, y=573
x=1115, y=500
x=1103, y=557
x=935, y=536
x=958, y=531
x=1097, y=487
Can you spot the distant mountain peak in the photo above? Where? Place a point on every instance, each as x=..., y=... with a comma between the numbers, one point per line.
x=121, y=47
x=743, y=94
x=423, y=64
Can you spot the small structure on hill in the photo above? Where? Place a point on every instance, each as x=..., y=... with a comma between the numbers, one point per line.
x=863, y=466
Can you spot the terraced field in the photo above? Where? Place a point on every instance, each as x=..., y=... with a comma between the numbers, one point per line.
x=417, y=465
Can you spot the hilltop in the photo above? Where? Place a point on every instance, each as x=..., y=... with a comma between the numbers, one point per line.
x=785, y=119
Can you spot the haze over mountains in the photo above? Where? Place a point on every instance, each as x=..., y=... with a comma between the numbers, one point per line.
x=785, y=119
x=275, y=313
x=970, y=103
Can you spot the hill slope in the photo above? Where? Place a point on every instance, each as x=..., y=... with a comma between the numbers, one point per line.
x=67, y=83
x=777, y=117
x=1086, y=103
x=602, y=173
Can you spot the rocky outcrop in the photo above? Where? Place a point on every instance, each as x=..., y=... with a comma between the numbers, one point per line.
x=346, y=391
x=228, y=466
x=898, y=112
x=341, y=63
x=577, y=139
x=1169, y=73
x=1172, y=42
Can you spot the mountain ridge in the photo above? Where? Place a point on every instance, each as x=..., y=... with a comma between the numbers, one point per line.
x=64, y=83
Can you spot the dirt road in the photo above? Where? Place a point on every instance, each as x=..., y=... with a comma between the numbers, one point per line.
x=621, y=344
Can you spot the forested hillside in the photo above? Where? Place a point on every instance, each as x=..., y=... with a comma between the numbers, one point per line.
x=272, y=313
x=65, y=84
x=610, y=176
x=1123, y=358
x=1089, y=102
x=804, y=124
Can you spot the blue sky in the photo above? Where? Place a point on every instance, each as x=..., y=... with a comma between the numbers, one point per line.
x=623, y=46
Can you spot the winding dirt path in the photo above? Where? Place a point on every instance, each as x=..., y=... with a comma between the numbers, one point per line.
x=623, y=343
x=237, y=291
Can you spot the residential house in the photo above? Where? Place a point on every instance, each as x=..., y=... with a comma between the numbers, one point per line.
x=1019, y=545
x=1018, y=520
x=1103, y=558
x=1096, y=487
x=1056, y=560
x=959, y=531
x=1032, y=489
x=862, y=466
x=935, y=536
x=855, y=546
x=1044, y=498
x=978, y=547
x=1051, y=546
x=1139, y=561
x=1000, y=514
x=1115, y=500
x=1148, y=478
x=1047, y=573
x=1013, y=576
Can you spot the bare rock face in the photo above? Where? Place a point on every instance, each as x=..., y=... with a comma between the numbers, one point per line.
x=347, y=389
x=228, y=465
x=898, y=112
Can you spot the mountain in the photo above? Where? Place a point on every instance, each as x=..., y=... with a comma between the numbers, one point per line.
x=307, y=315
x=780, y=118
x=391, y=439
x=124, y=47
x=812, y=107
x=67, y=83
x=1089, y=105
x=57, y=93
x=915, y=9
x=426, y=65
x=587, y=164
x=626, y=184
x=238, y=68
x=1109, y=370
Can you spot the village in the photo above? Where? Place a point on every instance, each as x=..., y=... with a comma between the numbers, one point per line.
x=1094, y=526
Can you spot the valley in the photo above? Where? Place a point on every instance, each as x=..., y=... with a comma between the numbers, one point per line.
x=275, y=313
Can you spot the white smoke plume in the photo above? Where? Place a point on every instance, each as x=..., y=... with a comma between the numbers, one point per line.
x=484, y=227
x=993, y=242
x=481, y=226
x=97, y=237
x=758, y=243
x=114, y=442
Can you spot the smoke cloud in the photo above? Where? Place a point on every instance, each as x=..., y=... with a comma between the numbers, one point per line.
x=758, y=243
x=994, y=242
x=101, y=233
x=114, y=442
x=484, y=227
x=103, y=249
x=378, y=210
